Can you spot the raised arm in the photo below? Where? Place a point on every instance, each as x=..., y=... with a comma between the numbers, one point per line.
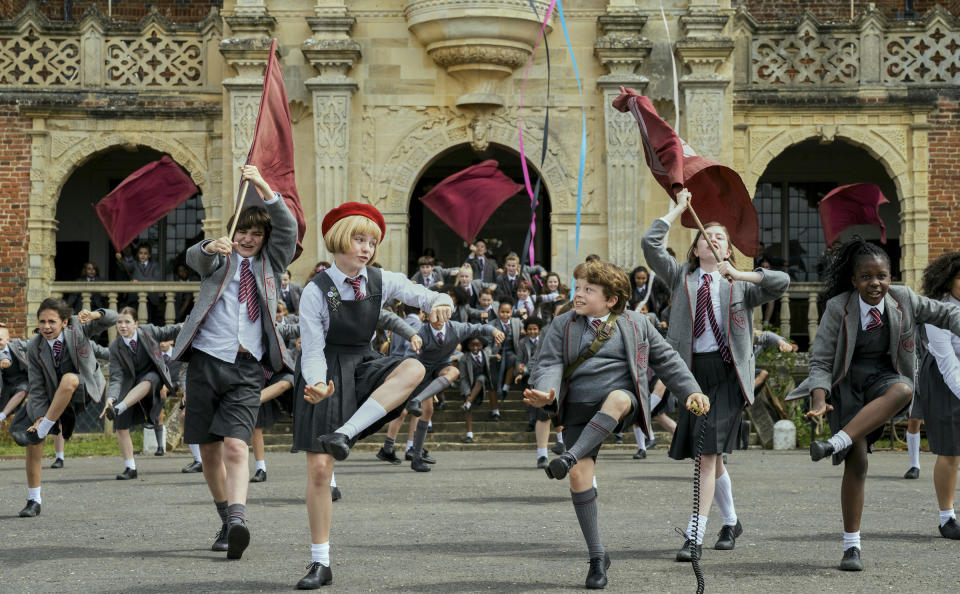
x=655, y=252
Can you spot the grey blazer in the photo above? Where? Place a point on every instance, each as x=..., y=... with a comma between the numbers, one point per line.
x=216, y=269
x=737, y=300
x=516, y=329
x=489, y=268
x=768, y=340
x=643, y=344
x=18, y=351
x=466, y=371
x=76, y=343
x=292, y=298
x=123, y=367
x=837, y=335
x=433, y=353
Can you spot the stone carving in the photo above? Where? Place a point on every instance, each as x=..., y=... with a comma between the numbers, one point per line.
x=299, y=111
x=704, y=118
x=243, y=114
x=933, y=57
x=153, y=61
x=32, y=59
x=331, y=123
x=806, y=58
x=472, y=54
x=478, y=134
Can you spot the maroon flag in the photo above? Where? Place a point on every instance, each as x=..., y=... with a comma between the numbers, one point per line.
x=718, y=192
x=272, y=147
x=143, y=198
x=465, y=200
x=854, y=204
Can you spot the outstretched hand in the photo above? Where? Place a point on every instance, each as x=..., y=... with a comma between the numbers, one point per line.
x=498, y=337
x=537, y=398
x=416, y=343
x=440, y=313
x=314, y=394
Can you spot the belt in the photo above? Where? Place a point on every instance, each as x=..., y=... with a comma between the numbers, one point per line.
x=245, y=355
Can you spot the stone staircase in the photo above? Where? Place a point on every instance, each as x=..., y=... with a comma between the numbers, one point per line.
x=510, y=433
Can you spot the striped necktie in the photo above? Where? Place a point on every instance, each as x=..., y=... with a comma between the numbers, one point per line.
x=875, y=319
x=248, y=291
x=704, y=314
x=355, y=284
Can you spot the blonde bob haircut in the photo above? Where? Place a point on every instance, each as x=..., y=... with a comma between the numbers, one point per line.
x=337, y=239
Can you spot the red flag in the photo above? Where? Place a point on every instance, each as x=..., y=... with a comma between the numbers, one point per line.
x=465, y=200
x=143, y=198
x=271, y=149
x=854, y=204
x=718, y=192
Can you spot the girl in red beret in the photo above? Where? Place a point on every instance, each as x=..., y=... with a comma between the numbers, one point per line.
x=348, y=390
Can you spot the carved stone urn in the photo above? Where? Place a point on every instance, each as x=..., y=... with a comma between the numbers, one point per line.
x=478, y=42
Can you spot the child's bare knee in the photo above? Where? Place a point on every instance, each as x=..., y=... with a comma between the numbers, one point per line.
x=617, y=401
x=70, y=381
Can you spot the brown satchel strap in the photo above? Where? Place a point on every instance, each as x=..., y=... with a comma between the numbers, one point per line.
x=604, y=333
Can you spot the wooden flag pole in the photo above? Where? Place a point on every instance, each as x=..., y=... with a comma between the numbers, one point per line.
x=237, y=206
x=703, y=231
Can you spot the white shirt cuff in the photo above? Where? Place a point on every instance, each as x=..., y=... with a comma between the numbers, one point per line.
x=664, y=220
x=276, y=196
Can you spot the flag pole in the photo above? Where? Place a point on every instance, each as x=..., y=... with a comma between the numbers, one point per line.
x=237, y=206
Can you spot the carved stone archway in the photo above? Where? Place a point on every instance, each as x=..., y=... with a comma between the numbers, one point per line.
x=56, y=155
x=392, y=188
x=897, y=141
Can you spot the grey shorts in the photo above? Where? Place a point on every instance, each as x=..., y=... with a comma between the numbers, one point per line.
x=222, y=398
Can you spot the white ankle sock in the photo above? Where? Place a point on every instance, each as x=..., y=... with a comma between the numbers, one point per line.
x=369, y=413
x=3, y=416
x=409, y=444
x=505, y=388
x=913, y=448
x=34, y=494
x=59, y=455
x=559, y=436
x=468, y=405
x=320, y=553
x=701, y=529
x=541, y=453
x=840, y=441
x=333, y=479
x=723, y=497
x=45, y=426
x=195, y=450
x=851, y=539
x=496, y=411
x=262, y=465
x=946, y=515
x=130, y=463
x=470, y=434
x=120, y=408
x=640, y=437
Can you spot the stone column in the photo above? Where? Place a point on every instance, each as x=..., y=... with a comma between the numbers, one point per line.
x=704, y=53
x=246, y=50
x=622, y=50
x=332, y=53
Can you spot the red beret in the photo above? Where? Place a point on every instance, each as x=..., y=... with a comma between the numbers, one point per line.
x=349, y=209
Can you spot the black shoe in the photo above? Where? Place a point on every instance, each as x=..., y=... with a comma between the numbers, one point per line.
x=685, y=554
x=220, y=543
x=111, y=411
x=159, y=451
x=335, y=494
x=466, y=439
x=335, y=444
x=317, y=575
x=386, y=456
x=542, y=462
x=560, y=466
x=58, y=463
x=727, y=539
x=408, y=454
x=558, y=448
x=913, y=473
x=260, y=476
x=418, y=465
x=619, y=439
x=127, y=474
x=426, y=457
x=238, y=539
x=441, y=403
x=530, y=427
x=651, y=444
x=640, y=455
x=26, y=438
x=951, y=529
x=820, y=450
x=851, y=560
x=495, y=417
x=465, y=408
x=597, y=576
x=32, y=509
x=414, y=408
x=192, y=467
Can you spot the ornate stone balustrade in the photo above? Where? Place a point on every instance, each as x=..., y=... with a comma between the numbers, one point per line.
x=112, y=291
x=96, y=52
x=870, y=51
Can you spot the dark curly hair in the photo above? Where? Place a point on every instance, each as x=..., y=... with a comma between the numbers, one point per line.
x=939, y=275
x=840, y=267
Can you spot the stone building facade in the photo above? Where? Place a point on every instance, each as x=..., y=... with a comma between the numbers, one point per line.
x=389, y=96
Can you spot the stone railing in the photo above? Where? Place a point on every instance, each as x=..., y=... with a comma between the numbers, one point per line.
x=96, y=52
x=111, y=291
x=869, y=51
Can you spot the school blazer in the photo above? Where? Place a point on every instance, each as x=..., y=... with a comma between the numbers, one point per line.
x=292, y=298
x=644, y=346
x=516, y=328
x=737, y=300
x=525, y=273
x=528, y=350
x=769, y=340
x=490, y=267
x=76, y=343
x=454, y=334
x=216, y=271
x=18, y=352
x=466, y=370
x=837, y=335
x=123, y=367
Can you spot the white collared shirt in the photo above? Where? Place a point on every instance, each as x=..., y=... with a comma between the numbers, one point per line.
x=128, y=340
x=865, y=317
x=228, y=326
x=315, y=315
x=528, y=301
x=602, y=319
x=446, y=335
x=945, y=348
x=62, y=342
x=707, y=342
